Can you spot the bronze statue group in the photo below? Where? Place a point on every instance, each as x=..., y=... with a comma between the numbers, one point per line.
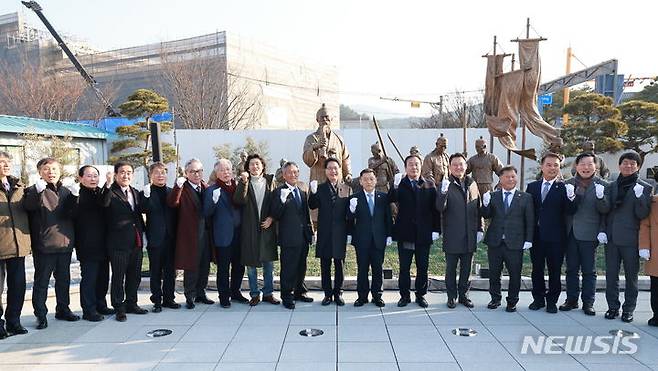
x=245, y=219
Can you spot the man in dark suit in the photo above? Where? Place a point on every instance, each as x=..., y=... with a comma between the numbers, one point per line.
x=551, y=205
x=416, y=226
x=370, y=216
x=459, y=202
x=160, y=234
x=331, y=199
x=512, y=224
x=585, y=231
x=290, y=210
x=630, y=199
x=124, y=239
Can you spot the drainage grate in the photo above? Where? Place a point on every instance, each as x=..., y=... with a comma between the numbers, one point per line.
x=311, y=332
x=159, y=333
x=463, y=331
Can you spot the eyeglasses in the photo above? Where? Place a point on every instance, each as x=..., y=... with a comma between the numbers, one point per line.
x=196, y=172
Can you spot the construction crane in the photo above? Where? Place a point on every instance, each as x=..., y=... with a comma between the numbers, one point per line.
x=36, y=8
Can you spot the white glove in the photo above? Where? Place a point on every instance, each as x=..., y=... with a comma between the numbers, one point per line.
x=396, y=180
x=216, y=194
x=353, y=203
x=314, y=239
x=349, y=239
x=389, y=241
x=571, y=191
x=486, y=198
x=435, y=236
x=638, y=189
x=314, y=186
x=40, y=185
x=74, y=188
x=527, y=245
x=445, y=183
x=602, y=237
x=480, y=236
x=147, y=191
x=284, y=194
x=180, y=181
x=599, y=190
x=645, y=254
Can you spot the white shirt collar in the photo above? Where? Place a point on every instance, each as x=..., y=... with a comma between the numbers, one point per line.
x=124, y=189
x=513, y=191
x=550, y=182
x=292, y=187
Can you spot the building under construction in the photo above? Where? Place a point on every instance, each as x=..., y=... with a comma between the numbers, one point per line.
x=274, y=90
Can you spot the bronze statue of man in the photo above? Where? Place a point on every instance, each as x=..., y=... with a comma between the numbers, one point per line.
x=243, y=158
x=414, y=151
x=384, y=167
x=435, y=164
x=278, y=176
x=323, y=144
x=601, y=169
x=483, y=164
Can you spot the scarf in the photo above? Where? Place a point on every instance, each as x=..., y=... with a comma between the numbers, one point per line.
x=228, y=188
x=624, y=183
x=582, y=184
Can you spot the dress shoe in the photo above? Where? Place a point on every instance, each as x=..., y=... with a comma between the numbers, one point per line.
x=653, y=322
x=238, y=298
x=16, y=329
x=326, y=301
x=92, y=317
x=493, y=304
x=189, y=304
x=551, y=308
x=510, y=308
x=536, y=305
x=304, y=299
x=627, y=317
x=42, y=323
x=136, y=309
x=611, y=314
x=421, y=302
x=157, y=308
x=360, y=302
x=121, y=316
x=67, y=316
x=465, y=301
x=289, y=304
x=589, y=310
x=106, y=311
x=451, y=303
x=225, y=303
x=378, y=301
x=339, y=300
x=403, y=302
x=3, y=333
x=568, y=305
x=271, y=299
x=171, y=305
x=254, y=301
x=204, y=300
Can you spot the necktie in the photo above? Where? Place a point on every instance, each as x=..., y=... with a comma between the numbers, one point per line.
x=132, y=207
x=333, y=193
x=371, y=204
x=7, y=186
x=544, y=190
x=506, y=200
x=414, y=184
x=298, y=199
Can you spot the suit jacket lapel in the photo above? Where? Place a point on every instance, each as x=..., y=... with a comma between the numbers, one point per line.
x=122, y=196
x=193, y=195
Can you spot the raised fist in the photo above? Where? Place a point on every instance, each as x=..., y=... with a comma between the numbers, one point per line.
x=314, y=186
x=397, y=179
x=445, y=183
x=180, y=181
x=353, y=203
x=486, y=198
x=216, y=194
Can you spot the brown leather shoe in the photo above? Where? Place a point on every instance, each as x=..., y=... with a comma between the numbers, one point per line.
x=270, y=299
x=254, y=301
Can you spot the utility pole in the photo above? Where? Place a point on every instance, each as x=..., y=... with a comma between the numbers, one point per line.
x=565, y=91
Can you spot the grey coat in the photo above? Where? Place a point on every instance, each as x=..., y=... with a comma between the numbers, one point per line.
x=589, y=217
x=623, y=221
x=517, y=224
x=460, y=216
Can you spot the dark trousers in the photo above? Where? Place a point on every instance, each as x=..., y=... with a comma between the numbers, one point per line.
x=14, y=274
x=614, y=256
x=513, y=260
x=422, y=254
x=163, y=274
x=195, y=281
x=546, y=255
x=94, y=285
x=654, y=296
x=45, y=266
x=228, y=258
x=126, y=276
x=325, y=272
x=293, y=271
x=581, y=256
x=452, y=287
x=369, y=258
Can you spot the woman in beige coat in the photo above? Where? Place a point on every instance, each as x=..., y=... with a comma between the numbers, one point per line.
x=648, y=242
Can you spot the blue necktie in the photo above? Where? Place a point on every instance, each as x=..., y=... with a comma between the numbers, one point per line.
x=506, y=200
x=298, y=199
x=371, y=204
x=545, y=190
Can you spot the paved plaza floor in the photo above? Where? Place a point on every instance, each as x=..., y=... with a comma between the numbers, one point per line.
x=266, y=337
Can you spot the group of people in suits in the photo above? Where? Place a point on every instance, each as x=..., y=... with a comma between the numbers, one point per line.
x=244, y=223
